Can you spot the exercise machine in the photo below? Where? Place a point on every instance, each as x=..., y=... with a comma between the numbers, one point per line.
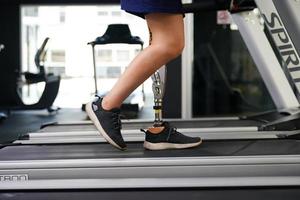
x=2, y=114
x=225, y=167
x=120, y=34
x=281, y=86
x=13, y=101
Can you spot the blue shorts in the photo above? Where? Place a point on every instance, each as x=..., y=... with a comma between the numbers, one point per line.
x=143, y=7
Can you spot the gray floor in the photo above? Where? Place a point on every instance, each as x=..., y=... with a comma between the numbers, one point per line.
x=21, y=122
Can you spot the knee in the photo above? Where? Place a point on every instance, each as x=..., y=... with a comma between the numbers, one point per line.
x=172, y=49
x=175, y=48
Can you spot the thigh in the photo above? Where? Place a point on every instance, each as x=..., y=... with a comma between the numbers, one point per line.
x=165, y=27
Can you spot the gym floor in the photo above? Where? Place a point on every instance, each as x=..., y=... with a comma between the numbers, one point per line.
x=21, y=122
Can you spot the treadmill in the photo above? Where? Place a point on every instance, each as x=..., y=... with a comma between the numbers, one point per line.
x=242, y=168
x=283, y=87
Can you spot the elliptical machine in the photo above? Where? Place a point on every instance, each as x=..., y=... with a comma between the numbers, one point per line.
x=2, y=114
x=13, y=101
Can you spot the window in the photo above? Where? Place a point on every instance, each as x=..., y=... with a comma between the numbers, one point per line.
x=104, y=55
x=122, y=55
x=70, y=28
x=102, y=13
x=113, y=72
x=62, y=17
x=31, y=12
x=57, y=70
x=58, y=56
x=116, y=13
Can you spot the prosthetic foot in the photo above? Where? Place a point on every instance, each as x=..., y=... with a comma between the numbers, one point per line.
x=162, y=135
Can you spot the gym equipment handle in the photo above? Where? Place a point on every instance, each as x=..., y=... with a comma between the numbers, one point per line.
x=214, y=5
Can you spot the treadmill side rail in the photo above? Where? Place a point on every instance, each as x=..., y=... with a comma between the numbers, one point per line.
x=228, y=171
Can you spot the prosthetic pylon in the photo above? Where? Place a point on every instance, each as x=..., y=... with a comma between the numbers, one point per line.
x=158, y=88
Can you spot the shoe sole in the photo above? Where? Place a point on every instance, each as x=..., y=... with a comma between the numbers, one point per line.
x=93, y=117
x=163, y=145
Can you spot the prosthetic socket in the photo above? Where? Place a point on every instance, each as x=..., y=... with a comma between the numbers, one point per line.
x=158, y=79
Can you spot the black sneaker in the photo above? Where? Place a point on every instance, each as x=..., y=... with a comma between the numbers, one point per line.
x=169, y=138
x=107, y=122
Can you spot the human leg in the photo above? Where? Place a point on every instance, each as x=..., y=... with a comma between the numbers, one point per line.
x=167, y=32
x=166, y=44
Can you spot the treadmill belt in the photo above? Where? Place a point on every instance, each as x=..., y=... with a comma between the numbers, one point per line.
x=136, y=150
x=138, y=125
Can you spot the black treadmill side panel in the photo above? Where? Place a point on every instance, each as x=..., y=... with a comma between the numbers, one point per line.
x=292, y=193
x=136, y=150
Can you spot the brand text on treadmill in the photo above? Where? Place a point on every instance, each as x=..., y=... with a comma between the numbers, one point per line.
x=288, y=52
x=14, y=178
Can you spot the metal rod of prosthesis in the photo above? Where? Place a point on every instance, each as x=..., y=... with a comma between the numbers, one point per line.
x=158, y=91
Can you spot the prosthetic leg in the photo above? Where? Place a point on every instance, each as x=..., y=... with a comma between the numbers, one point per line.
x=158, y=88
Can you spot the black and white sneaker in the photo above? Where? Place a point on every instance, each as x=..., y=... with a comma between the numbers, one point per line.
x=169, y=138
x=107, y=122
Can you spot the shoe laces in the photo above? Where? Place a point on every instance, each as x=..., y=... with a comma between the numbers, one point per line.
x=172, y=131
x=117, y=121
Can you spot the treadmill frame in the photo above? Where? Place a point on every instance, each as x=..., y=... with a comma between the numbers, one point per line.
x=160, y=172
x=183, y=172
